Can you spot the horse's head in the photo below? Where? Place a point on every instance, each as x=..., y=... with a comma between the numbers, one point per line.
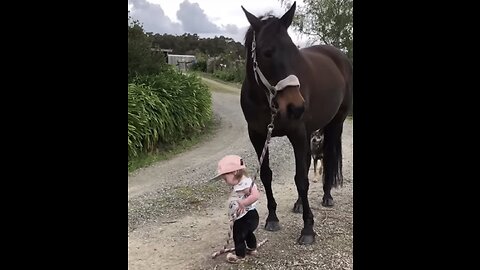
x=271, y=61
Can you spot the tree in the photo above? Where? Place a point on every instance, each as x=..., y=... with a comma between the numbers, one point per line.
x=141, y=61
x=326, y=21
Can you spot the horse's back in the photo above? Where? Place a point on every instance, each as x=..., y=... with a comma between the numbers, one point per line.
x=316, y=53
x=330, y=83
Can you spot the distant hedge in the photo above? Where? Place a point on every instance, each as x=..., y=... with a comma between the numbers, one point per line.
x=164, y=109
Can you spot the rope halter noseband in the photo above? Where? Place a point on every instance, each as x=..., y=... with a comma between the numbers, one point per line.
x=271, y=91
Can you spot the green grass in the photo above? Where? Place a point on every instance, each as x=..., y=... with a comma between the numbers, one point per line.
x=145, y=160
x=211, y=77
x=216, y=86
x=167, y=113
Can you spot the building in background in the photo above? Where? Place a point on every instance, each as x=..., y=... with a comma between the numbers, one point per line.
x=183, y=62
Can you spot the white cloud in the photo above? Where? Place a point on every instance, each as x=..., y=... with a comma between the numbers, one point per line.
x=207, y=18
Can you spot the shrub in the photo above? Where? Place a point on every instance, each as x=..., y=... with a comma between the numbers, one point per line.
x=165, y=108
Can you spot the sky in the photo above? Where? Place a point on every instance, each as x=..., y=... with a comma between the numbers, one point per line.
x=207, y=18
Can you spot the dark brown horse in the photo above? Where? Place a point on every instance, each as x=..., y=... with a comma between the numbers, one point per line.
x=310, y=89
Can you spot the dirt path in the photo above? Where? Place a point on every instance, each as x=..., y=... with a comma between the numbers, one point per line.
x=177, y=219
x=226, y=107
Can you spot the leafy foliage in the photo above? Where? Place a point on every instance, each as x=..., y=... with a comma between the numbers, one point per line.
x=141, y=61
x=194, y=45
x=327, y=21
x=165, y=108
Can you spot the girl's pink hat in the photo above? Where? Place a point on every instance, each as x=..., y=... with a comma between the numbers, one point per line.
x=229, y=163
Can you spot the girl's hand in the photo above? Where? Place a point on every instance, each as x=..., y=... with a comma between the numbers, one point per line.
x=241, y=208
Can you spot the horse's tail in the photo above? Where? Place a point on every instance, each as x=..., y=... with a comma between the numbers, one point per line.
x=332, y=145
x=332, y=152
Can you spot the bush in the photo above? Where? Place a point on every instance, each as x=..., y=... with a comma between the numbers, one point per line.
x=200, y=65
x=224, y=75
x=230, y=75
x=164, y=109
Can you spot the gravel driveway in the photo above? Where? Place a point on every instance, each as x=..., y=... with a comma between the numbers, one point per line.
x=177, y=219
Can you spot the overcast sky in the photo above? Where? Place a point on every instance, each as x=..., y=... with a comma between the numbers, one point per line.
x=207, y=18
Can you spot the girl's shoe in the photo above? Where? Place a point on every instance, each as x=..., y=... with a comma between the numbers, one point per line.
x=232, y=258
x=252, y=252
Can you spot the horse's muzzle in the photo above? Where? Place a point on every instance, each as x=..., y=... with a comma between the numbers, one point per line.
x=291, y=103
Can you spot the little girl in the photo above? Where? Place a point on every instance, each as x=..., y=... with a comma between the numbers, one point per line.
x=243, y=198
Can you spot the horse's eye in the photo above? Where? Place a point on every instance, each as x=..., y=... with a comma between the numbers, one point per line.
x=268, y=53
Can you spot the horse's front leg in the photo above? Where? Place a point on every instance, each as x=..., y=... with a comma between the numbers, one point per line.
x=258, y=141
x=302, y=164
x=298, y=206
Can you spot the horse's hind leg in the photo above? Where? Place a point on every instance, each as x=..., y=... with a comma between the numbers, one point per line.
x=258, y=141
x=302, y=164
x=332, y=157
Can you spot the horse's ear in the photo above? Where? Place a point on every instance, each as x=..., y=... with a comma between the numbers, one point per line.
x=255, y=22
x=288, y=17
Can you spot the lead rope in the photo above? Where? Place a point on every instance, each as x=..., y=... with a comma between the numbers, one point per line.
x=270, y=96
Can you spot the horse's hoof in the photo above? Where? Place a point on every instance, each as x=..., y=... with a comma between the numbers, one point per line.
x=297, y=208
x=272, y=226
x=306, y=239
x=327, y=202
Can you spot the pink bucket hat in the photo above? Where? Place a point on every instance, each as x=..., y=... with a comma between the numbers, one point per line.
x=227, y=164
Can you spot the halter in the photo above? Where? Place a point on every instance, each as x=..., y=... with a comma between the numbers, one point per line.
x=271, y=91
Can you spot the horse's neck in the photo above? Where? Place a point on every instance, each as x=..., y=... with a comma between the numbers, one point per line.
x=258, y=95
x=254, y=101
